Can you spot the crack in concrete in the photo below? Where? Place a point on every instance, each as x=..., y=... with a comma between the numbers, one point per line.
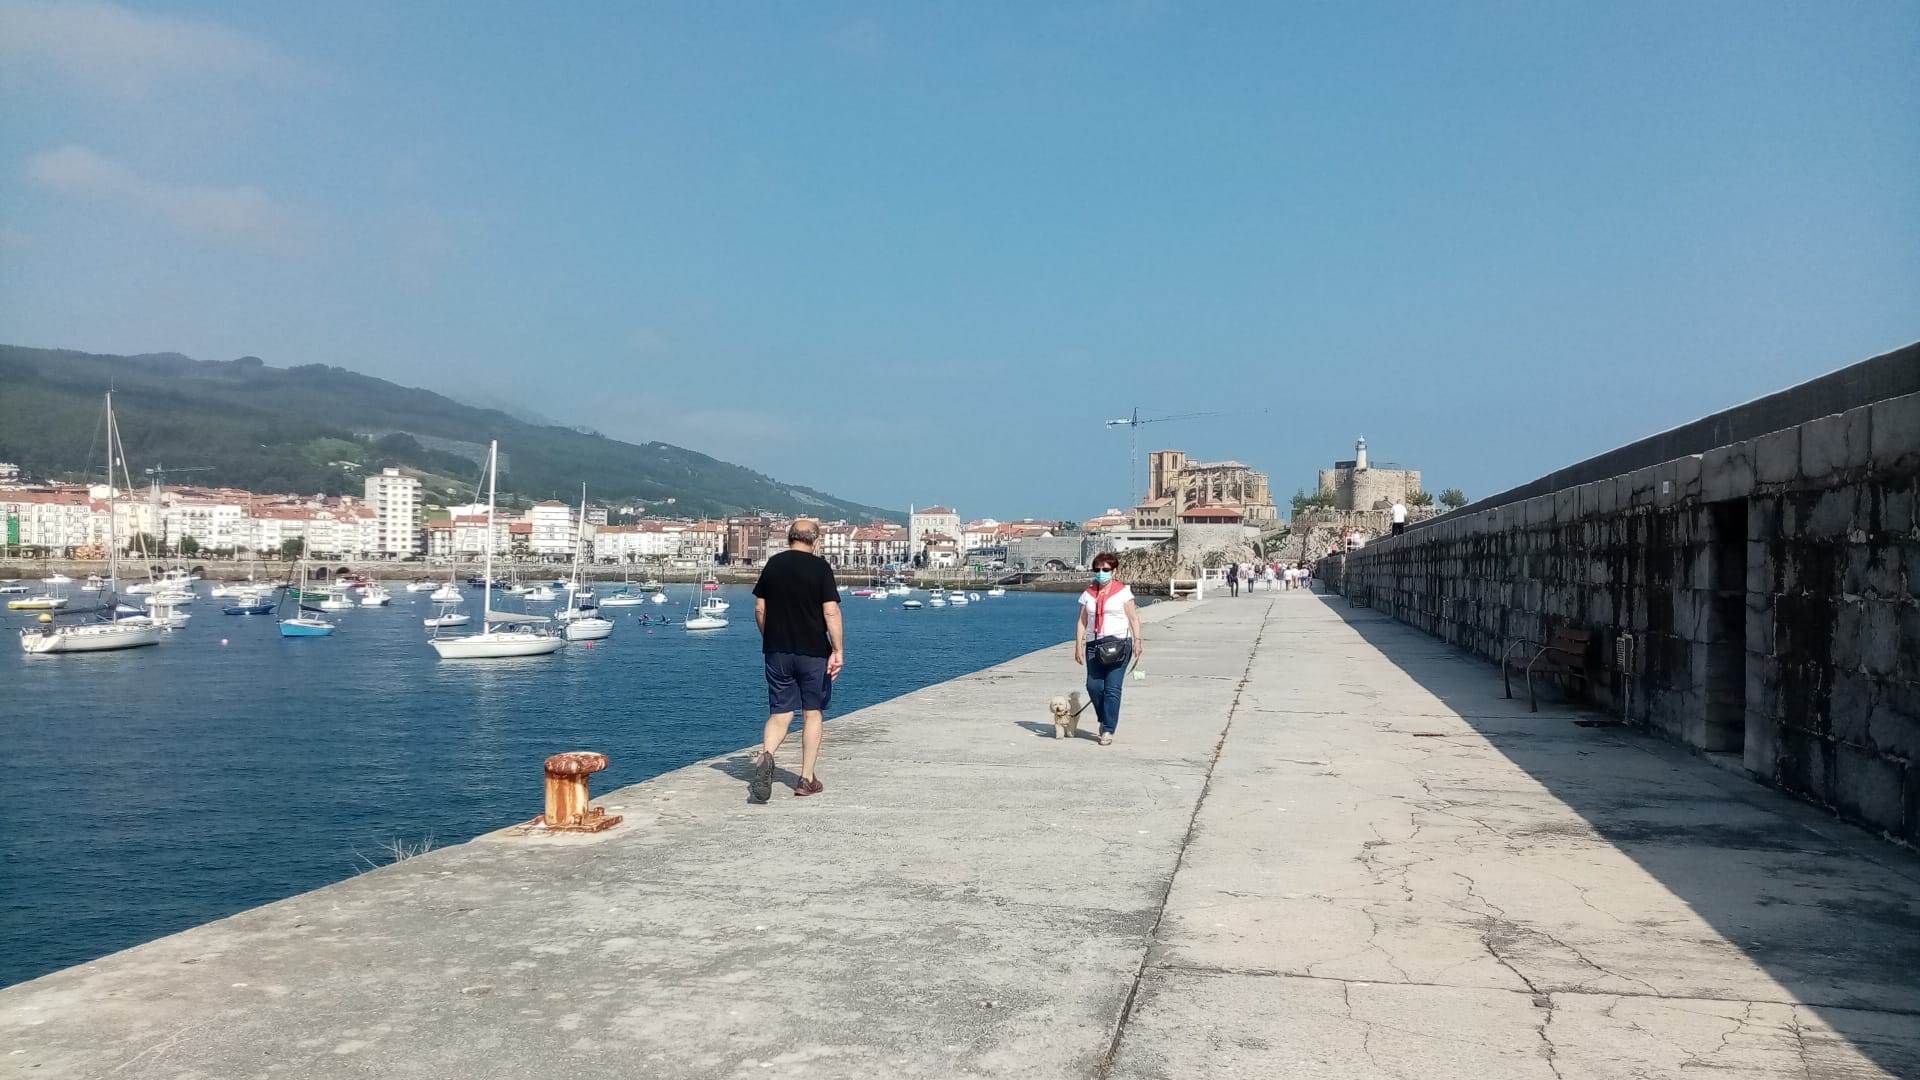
x=1106, y=1066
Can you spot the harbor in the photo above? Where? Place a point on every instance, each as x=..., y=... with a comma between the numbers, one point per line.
x=245, y=767
x=1312, y=813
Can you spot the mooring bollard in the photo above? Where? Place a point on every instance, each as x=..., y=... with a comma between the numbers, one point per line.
x=567, y=797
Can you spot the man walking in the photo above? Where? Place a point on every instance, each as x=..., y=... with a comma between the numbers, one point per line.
x=797, y=606
x=1399, y=518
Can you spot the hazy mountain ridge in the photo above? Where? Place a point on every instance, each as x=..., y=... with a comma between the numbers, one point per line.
x=276, y=429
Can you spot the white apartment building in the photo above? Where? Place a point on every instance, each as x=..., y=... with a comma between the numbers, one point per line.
x=553, y=528
x=59, y=519
x=639, y=542
x=934, y=519
x=836, y=544
x=700, y=543
x=214, y=524
x=269, y=527
x=395, y=502
x=465, y=536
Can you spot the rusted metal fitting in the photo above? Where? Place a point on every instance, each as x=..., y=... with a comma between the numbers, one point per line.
x=567, y=797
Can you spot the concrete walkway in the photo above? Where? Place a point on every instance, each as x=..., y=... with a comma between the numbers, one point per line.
x=1323, y=846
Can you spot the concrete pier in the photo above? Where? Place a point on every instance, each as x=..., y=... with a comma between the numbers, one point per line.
x=1323, y=846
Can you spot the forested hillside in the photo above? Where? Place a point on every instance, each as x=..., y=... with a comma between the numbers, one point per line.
x=290, y=429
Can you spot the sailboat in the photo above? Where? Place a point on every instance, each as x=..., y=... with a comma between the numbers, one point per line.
x=491, y=643
x=626, y=596
x=583, y=619
x=700, y=619
x=306, y=621
x=108, y=633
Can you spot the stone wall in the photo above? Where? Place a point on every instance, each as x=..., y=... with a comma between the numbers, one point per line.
x=1770, y=588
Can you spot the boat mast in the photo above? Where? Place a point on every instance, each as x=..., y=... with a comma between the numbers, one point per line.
x=579, y=538
x=113, y=525
x=486, y=589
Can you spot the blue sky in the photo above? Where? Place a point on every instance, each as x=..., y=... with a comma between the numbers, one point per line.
x=917, y=253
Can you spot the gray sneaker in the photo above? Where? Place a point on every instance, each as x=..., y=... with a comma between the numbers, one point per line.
x=761, y=789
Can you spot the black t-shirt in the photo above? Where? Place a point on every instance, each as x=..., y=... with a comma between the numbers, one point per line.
x=795, y=584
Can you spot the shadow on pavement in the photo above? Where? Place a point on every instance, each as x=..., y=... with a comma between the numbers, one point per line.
x=1825, y=910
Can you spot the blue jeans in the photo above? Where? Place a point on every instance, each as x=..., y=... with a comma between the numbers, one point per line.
x=1104, y=684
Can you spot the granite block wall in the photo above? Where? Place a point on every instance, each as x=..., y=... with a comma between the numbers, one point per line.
x=1770, y=588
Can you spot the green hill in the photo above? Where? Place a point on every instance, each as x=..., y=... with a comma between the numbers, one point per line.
x=290, y=429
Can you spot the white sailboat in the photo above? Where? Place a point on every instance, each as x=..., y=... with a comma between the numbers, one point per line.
x=583, y=620
x=700, y=620
x=108, y=633
x=493, y=643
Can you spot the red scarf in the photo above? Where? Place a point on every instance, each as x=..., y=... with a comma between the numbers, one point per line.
x=1100, y=595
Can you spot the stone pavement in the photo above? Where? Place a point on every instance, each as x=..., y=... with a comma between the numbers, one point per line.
x=1323, y=846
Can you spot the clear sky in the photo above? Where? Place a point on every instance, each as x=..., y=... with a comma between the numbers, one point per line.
x=918, y=252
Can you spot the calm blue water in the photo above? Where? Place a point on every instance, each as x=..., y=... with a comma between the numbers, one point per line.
x=148, y=791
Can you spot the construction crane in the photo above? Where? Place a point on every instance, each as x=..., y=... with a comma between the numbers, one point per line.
x=160, y=473
x=1135, y=422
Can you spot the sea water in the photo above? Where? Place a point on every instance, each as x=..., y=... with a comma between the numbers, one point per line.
x=147, y=791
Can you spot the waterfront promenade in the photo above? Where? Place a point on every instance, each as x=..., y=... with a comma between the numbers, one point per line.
x=1323, y=846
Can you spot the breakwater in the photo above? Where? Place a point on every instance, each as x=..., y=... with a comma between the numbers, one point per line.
x=1755, y=597
x=1320, y=847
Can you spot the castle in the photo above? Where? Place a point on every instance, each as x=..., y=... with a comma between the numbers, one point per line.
x=1356, y=486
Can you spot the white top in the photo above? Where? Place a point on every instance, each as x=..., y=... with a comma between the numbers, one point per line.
x=1116, y=617
x=1399, y=513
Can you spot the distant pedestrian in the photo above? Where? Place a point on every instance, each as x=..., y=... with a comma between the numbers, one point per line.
x=1106, y=639
x=1267, y=576
x=1233, y=579
x=1286, y=577
x=797, y=606
x=1399, y=518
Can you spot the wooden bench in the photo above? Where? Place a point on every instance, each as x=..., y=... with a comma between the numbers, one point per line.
x=1564, y=653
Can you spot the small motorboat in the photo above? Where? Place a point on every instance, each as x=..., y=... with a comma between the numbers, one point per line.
x=541, y=595
x=659, y=598
x=996, y=591
x=938, y=601
x=911, y=604
x=449, y=618
x=713, y=605
x=375, y=596
x=422, y=585
x=57, y=579
x=255, y=607
x=42, y=602
x=591, y=628
x=956, y=599
x=448, y=594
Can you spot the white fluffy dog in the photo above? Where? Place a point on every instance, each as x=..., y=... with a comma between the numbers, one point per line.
x=1066, y=711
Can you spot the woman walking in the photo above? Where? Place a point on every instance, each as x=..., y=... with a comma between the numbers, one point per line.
x=1106, y=639
x=1233, y=579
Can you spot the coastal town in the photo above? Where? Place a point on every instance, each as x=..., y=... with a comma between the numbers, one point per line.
x=1212, y=505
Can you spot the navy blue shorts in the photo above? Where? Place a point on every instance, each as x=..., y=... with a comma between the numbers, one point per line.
x=797, y=683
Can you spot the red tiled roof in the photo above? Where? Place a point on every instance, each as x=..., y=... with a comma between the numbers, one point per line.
x=936, y=510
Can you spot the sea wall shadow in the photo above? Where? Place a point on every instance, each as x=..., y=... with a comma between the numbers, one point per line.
x=1827, y=911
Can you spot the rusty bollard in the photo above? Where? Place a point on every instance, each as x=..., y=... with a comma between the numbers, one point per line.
x=567, y=798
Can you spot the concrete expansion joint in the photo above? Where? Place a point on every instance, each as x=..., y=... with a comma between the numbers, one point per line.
x=1105, y=1069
